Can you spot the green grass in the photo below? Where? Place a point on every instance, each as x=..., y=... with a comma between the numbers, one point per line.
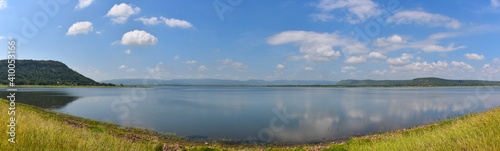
x=41, y=129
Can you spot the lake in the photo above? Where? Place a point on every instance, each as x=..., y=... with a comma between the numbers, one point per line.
x=291, y=114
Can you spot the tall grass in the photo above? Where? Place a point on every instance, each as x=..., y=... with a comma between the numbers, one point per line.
x=471, y=132
x=34, y=132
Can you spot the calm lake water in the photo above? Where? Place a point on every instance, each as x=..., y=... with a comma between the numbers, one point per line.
x=298, y=115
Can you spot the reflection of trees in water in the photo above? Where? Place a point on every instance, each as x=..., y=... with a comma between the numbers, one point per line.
x=43, y=99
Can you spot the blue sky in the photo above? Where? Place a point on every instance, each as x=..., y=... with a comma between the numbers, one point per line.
x=268, y=40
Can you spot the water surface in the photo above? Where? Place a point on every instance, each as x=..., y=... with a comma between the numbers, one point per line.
x=298, y=115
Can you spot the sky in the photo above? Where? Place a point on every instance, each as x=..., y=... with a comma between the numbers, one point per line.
x=266, y=40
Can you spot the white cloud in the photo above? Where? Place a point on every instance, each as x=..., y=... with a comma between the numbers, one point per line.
x=322, y=17
x=80, y=28
x=436, y=48
x=474, y=56
x=280, y=66
x=397, y=42
x=346, y=68
x=377, y=55
x=423, y=67
x=120, y=13
x=394, y=42
x=176, y=57
x=237, y=66
x=355, y=59
x=158, y=68
x=404, y=59
x=424, y=18
x=359, y=10
x=495, y=3
x=122, y=67
x=171, y=22
x=98, y=32
x=2, y=37
x=443, y=35
x=463, y=65
x=130, y=70
x=202, y=68
x=138, y=38
x=308, y=68
x=128, y=51
x=149, y=21
x=378, y=72
x=3, y=4
x=191, y=62
x=491, y=68
x=83, y=3
x=318, y=47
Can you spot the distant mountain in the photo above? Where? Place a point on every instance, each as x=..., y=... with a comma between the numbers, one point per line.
x=430, y=81
x=44, y=72
x=154, y=82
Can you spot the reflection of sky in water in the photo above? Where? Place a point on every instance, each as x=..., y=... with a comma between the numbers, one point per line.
x=313, y=114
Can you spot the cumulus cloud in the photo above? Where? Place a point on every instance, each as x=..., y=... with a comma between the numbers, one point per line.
x=394, y=42
x=80, y=28
x=138, y=38
x=157, y=69
x=424, y=19
x=355, y=59
x=397, y=42
x=130, y=70
x=378, y=72
x=491, y=68
x=120, y=13
x=237, y=66
x=346, y=68
x=474, y=56
x=495, y=3
x=3, y=4
x=122, y=67
x=128, y=51
x=377, y=55
x=83, y=3
x=171, y=22
x=436, y=48
x=462, y=65
x=280, y=66
x=202, y=68
x=322, y=17
x=318, y=47
x=404, y=59
x=191, y=62
x=423, y=67
x=308, y=68
x=358, y=10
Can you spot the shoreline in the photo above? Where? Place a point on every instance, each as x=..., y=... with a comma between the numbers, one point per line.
x=154, y=139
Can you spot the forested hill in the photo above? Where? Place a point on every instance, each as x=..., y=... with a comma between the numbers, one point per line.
x=44, y=72
x=419, y=82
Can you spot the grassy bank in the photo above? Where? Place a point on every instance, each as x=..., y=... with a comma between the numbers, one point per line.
x=40, y=129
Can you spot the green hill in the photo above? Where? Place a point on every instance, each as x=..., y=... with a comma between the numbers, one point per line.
x=44, y=72
x=430, y=81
